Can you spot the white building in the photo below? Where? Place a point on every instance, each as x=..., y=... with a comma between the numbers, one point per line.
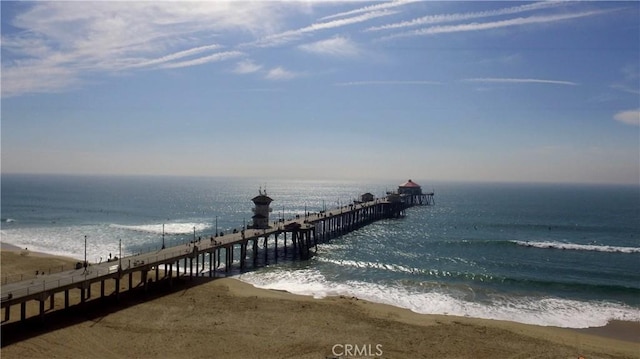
x=261, y=210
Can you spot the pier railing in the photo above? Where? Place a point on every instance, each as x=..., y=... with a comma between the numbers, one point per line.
x=82, y=275
x=13, y=278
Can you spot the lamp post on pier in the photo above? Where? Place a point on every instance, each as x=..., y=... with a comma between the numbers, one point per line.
x=216, y=227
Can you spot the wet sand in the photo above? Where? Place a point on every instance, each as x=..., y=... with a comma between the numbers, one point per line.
x=227, y=318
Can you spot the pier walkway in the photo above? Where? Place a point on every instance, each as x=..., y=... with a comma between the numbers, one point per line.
x=303, y=233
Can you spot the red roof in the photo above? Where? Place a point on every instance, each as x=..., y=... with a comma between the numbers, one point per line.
x=410, y=183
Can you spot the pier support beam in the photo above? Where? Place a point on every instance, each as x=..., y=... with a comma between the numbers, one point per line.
x=275, y=250
x=243, y=254
x=42, y=309
x=185, y=266
x=285, y=244
x=190, y=267
x=255, y=251
x=143, y=279
x=266, y=252
x=197, y=263
x=211, y=264
x=23, y=311
x=219, y=255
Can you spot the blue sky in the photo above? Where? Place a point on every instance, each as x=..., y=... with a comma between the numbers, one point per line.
x=486, y=91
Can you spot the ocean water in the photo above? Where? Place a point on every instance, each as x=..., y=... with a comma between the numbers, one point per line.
x=559, y=255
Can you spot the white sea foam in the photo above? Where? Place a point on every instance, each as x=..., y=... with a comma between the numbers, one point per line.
x=377, y=265
x=65, y=241
x=169, y=228
x=102, y=239
x=538, y=311
x=579, y=247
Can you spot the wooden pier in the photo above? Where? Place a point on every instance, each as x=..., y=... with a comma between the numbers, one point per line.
x=299, y=236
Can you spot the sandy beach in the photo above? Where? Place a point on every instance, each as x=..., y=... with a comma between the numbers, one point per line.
x=227, y=318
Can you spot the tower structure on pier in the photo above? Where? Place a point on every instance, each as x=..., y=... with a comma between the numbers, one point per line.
x=411, y=193
x=261, y=210
x=410, y=188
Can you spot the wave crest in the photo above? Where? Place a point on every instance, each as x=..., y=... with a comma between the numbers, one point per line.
x=578, y=247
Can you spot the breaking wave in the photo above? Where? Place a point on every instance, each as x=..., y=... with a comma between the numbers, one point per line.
x=558, y=312
x=578, y=247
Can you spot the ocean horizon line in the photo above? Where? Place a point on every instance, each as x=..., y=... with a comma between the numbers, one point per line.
x=378, y=180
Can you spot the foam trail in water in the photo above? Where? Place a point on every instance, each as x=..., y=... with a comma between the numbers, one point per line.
x=580, y=247
x=528, y=310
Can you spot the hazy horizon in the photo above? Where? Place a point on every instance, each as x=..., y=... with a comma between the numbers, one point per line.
x=426, y=183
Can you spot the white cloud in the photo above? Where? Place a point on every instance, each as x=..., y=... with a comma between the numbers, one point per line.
x=337, y=46
x=292, y=35
x=177, y=55
x=631, y=117
x=383, y=6
x=279, y=73
x=625, y=88
x=205, y=59
x=518, y=80
x=520, y=21
x=374, y=83
x=29, y=77
x=246, y=67
x=630, y=81
x=435, y=19
x=67, y=42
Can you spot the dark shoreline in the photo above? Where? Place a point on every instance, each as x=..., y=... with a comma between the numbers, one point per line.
x=616, y=329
